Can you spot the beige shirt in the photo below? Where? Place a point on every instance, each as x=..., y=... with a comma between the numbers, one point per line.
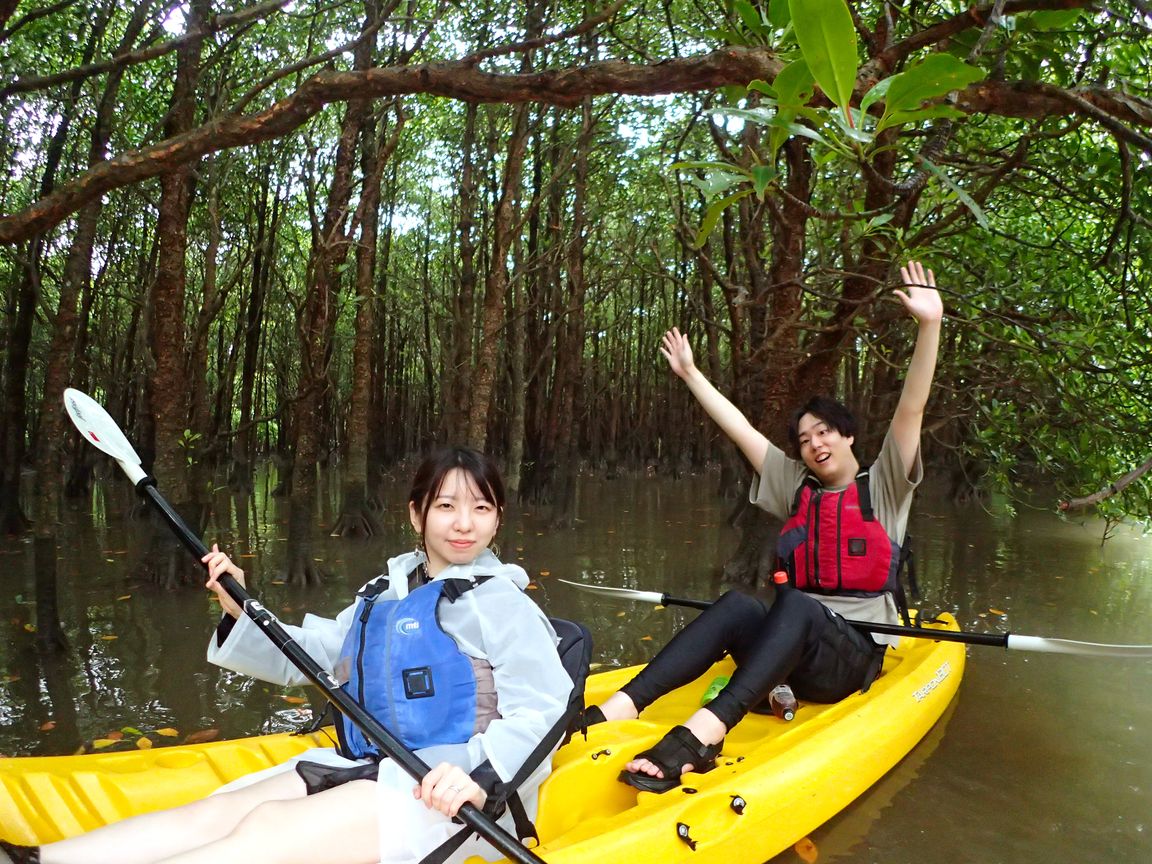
x=774, y=489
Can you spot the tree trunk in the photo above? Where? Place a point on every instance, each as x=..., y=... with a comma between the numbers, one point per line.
x=164, y=561
x=457, y=377
x=358, y=517
x=330, y=247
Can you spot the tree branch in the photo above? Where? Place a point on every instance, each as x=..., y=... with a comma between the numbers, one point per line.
x=1108, y=491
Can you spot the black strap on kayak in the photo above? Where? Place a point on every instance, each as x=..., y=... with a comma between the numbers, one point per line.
x=575, y=651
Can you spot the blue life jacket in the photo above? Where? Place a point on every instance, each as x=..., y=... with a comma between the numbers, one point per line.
x=407, y=671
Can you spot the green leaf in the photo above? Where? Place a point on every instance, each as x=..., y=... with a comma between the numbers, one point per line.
x=965, y=198
x=750, y=15
x=1047, y=20
x=762, y=86
x=936, y=76
x=876, y=93
x=759, y=116
x=930, y=113
x=828, y=42
x=713, y=215
x=779, y=14
x=793, y=84
x=762, y=177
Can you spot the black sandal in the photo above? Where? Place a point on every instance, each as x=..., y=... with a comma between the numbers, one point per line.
x=671, y=753
x=19, y=854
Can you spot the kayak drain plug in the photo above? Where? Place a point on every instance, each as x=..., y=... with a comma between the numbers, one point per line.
x=738, y=804
x=682, y=832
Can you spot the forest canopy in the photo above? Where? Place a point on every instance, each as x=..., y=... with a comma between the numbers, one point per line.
x=331, y=233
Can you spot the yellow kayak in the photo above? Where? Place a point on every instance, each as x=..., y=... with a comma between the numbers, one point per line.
x=775, y=781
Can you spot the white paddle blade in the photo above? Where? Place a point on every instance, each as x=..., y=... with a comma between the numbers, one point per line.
x=1071, y=646
x=101, y=431
x=619, y=593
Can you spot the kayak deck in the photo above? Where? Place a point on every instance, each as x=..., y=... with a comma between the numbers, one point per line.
x=790, y=776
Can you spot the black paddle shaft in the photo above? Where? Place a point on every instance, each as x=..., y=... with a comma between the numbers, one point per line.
x=469, y=814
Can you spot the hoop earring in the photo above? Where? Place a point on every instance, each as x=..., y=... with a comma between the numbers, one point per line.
x=494, y=548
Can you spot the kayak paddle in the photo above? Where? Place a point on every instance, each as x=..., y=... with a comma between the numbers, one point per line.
x=101, y=431
x=998, y=640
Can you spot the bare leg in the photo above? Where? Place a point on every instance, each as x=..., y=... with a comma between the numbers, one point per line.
x=619, y=706
x=705, y=725
x=336, y=826
x=156, y=836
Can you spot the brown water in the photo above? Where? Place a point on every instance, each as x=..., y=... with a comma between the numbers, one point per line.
x=1041, y=758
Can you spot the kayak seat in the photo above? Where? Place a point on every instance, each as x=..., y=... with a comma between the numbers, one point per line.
x=671, y=753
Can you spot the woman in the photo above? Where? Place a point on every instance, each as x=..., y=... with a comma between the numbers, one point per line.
x=481, y=687
x=803, y=638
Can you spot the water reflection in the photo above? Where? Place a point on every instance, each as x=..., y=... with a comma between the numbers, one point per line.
x=1044, y=757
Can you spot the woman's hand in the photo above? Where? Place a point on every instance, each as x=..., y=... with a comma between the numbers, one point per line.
x=446, y=788
x=676, y=350
x=922, y=299
x=218, y=564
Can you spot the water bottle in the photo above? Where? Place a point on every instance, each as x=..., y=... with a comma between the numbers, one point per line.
x=718, y=684
x=783, y=702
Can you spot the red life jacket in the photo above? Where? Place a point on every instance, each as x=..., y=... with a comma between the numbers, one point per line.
x=833, y=544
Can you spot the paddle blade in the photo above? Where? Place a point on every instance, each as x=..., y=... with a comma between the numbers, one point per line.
x=1071, y=646
x=101, y=431
x=619, y=593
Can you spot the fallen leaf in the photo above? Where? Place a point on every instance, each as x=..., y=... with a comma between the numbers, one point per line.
x=295, y=700
x=545, y=572
x=48, y=727
x=143, y=743
x=807, y=851
x=8, y=679
x=125, y=597
x=997, y=612
x=645, y=638
x=592, y=666
x=202, y=736
x=101, y=743
x=115, y=736
x=532, y=586
x=277, y=581
x=246, y=555
x=168, y=732
x=31, y=628
x=621, y=614
x=108, y=637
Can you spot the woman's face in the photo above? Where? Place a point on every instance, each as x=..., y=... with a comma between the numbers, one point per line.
x=460, y=522
x=826, y=452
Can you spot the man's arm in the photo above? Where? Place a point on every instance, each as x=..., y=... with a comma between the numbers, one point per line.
x=922, y=301
x=727, y=416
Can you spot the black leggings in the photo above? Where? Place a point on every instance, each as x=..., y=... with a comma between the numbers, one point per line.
x=797, y=639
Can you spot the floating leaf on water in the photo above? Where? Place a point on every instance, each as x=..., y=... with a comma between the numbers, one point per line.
x=997, y=612
x=592, y=666
x=532, y=586
x=645, y=638
x=143, y=743
x=125, y=597
x=168, y=732
x=8, y=679
x=48, y=726
x=807, y=851
x=246, y=555
x=545, y=572
x=295, y=700
x=202, y=736
x=621, y=614
x=519, y=548
x=31, y=628
x=278, y=582
x=108, y=637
